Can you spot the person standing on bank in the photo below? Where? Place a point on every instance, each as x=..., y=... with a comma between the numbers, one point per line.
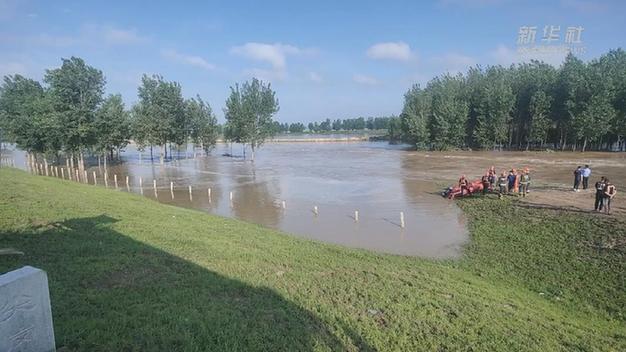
x=523, y=183
x=599, y=194
x=502, y=183
x=586, y=173
x=609, y=193
x=578, y=175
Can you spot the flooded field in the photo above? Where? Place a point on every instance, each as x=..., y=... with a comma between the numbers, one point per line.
x=288, y=180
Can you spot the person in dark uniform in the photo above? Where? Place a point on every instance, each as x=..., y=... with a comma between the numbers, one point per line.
x=599, y=194
x=486, y=183
x=578, y=175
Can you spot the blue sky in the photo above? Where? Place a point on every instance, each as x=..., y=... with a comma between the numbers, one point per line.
x=334, y=59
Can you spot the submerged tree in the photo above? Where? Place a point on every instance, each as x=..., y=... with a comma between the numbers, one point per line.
x=248, y=112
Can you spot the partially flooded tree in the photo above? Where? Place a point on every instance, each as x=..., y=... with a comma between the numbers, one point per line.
x=75, y=91
x=249, y=111
x=112, y=124
x=202, y=123
x=160, y=113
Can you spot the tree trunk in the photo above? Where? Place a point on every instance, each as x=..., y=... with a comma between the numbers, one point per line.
x=163, y=153
x=105, y=162
x=252, y=147
x=151, y=154
x=584, y=144
x=111, y=152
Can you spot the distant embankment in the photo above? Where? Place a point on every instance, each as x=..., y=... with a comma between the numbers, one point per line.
x=321, y=139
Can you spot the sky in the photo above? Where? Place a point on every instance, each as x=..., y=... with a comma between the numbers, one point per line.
x=324, y=59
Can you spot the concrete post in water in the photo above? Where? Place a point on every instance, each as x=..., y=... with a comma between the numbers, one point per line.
x=356, y=216
x=95, y=180
x=172, y=187
x=190, y=195
x=402, y=219
x=156, y=195
x=315, y=211
x=26, y=317
x=231, y=196
x=141, y=185
x=209, y=192
x=127, y=184
x=284, y=205
x=115, y=180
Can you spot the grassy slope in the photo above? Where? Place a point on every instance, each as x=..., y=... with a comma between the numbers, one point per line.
x=127, y=273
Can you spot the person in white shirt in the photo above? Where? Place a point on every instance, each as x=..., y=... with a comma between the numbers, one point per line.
x=586, y=174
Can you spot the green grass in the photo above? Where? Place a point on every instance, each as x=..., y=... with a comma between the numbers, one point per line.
x=127, y=273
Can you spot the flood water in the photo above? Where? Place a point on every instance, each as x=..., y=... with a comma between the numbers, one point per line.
x=374, y=178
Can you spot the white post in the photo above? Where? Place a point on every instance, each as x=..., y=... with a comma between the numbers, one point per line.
x=171, y=186
x=402, y=219
x=141, y=185
x=115, y=180
x=356, y=215
x=95, y=180
x=231, y=196
x=315, y=211
x=190, y=195
x=127, y=184
x=63, y=173
x=284, y=205
x=209, y=192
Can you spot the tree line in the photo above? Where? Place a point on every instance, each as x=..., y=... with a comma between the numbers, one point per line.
x=67, y=115
x=578, y=106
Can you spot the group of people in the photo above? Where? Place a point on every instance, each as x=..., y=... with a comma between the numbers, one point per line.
x=516, y=182
x=605, y=190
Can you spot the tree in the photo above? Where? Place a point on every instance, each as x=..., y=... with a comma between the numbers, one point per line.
x=112, y=125
x=540, y=123
x=494, y=106
x=75, y=91
x=249, y=112
x=449, y=112
x=202, y=123
x=574, y=95
x=159, y=114
x=297, y=127
x=414, y=117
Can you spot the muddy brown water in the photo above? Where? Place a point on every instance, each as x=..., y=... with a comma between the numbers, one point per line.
x=376, y=179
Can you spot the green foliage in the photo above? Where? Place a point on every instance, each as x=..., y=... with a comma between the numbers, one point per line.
x=201, y=123
x=248, y=112
x=414, y=117
x=112, y=124
x=75, y=91
x=523, y=105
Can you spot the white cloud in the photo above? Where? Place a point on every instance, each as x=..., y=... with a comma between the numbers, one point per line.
x=400, y=51
x=315, y=77
x=274, y=54
x=191, y=60
x=365, y=80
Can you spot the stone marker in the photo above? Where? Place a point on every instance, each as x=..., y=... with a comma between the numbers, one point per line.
x=25, y=315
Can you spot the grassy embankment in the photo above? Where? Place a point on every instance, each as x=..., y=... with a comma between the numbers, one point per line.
x=127, y=273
